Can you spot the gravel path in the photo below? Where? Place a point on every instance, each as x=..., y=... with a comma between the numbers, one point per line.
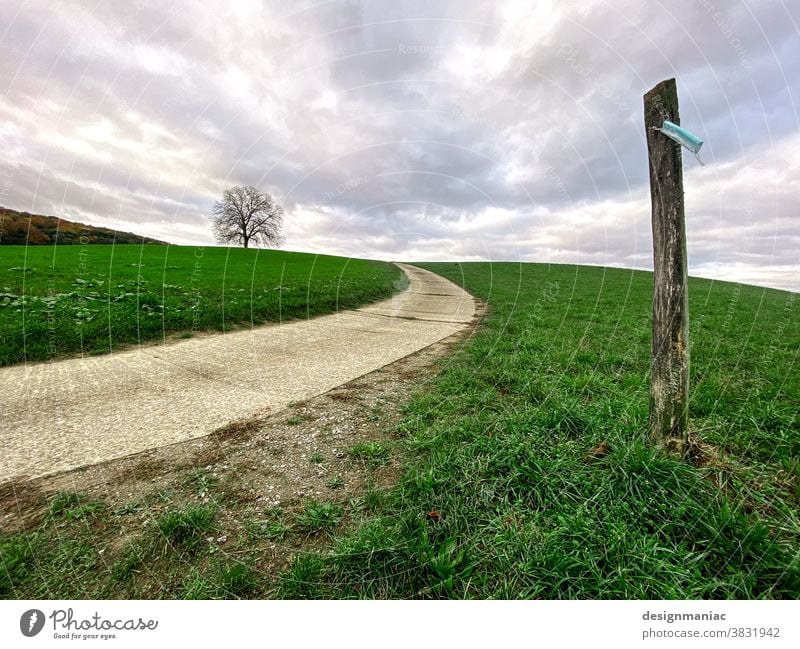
x=66, y=414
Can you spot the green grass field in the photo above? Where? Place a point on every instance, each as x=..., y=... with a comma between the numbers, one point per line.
x=92, y=299
x=527, y=470
x=529, y=474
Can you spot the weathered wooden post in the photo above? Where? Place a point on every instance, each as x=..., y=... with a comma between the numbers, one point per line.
x=669, y=377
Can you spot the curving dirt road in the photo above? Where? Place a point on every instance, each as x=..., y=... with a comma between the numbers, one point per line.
x=66, y=414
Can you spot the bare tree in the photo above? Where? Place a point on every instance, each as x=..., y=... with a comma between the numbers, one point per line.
x=246, y=215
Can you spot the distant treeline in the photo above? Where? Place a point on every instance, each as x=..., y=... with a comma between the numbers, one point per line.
x=23, y=228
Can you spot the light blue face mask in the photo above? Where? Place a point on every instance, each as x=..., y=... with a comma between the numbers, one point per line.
x=682, y=137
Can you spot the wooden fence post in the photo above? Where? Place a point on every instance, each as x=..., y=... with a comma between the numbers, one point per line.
x=669, y=376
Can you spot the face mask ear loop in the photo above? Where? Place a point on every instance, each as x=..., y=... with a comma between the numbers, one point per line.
x=696, y=153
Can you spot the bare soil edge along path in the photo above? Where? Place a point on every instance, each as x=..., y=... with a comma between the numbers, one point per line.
x=255, y=473
x=67, y=414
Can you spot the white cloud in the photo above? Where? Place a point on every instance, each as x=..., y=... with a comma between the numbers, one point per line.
x=470, y=130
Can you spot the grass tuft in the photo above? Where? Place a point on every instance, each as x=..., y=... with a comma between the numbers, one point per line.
x=373, y=454
x=318, y=516
x=185, y=528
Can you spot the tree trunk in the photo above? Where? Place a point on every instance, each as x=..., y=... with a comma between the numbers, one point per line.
x=669, y=377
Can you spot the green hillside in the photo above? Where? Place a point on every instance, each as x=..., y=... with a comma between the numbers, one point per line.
x=61, y=300
x=528, y=473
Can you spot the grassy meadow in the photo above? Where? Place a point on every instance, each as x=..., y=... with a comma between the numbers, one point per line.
x=527, y=472
x=93, y=299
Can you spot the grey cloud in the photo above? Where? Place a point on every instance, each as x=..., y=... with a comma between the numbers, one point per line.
x=406, y=129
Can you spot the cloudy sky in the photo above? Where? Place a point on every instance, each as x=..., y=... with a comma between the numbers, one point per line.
x=425, y=129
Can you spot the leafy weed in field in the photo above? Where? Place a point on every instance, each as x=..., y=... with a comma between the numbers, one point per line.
x=318, y=516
